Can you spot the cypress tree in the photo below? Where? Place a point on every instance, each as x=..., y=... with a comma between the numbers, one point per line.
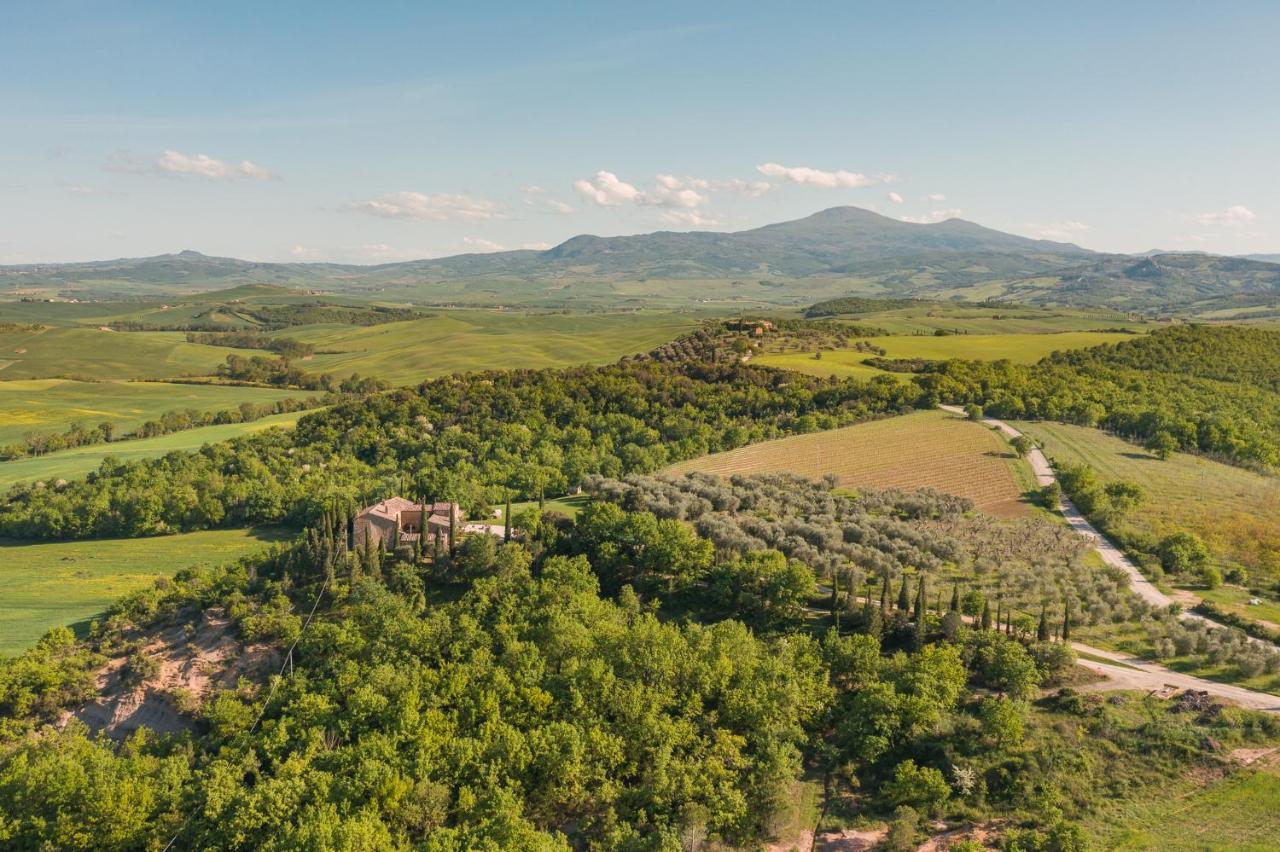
x=1042, y=630
x=986, y=615
x=1066, y=623
x=918, y=635
x=884, y=594
x=904, y=602
x=955, y=597
x=506, y=519
x=453, y=529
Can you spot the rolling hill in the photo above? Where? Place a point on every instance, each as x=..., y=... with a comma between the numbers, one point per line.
x=839, y=251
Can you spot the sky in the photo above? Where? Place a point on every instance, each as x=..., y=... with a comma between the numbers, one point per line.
x=377, y=132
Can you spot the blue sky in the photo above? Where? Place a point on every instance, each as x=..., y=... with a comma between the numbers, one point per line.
x=377, y=132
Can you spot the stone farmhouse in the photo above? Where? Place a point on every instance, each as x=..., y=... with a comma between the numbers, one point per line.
x=395, y=521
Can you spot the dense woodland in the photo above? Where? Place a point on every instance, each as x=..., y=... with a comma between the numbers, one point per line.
x=659, y=673
x=1198, y=388
x=466, y=438
x=622, y=682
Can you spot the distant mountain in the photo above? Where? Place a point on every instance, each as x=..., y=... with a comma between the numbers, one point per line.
x=828, y=254
x=1181, y=280
x=1263, y=258
x=834, y=240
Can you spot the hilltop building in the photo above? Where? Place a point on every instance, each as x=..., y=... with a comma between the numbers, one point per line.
x=395, y=521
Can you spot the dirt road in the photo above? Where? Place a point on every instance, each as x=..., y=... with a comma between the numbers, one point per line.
x=1142, y=674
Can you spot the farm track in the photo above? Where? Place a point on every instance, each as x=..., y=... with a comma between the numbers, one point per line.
x=1142, y=674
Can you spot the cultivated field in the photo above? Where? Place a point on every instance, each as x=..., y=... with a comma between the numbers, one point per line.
x=924, y=449
x=52, y=405
x=926, y=319
x=1236, y=511
x=69, y=464
x=456, y=341
x=1018, y=347
x=69, y=583
x=95, y=354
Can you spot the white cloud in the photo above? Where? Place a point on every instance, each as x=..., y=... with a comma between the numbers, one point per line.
x=895, y=198
x=555, y=205
x=1060, y=231
x=749, y=188
x=441, y=207
x=689, y=218
x=934, y=216
x=683, y=199
x=935, y=197
x=606, y=190
x=536, y=246
x=480, y=244
x=1232, y=217
x=173, y=163
x=688, y=193
x=816, y=177
x=202, y=165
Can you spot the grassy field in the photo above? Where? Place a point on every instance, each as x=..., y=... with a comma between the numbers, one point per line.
x=69, y=583
x=69, y=464
x=91, y=353
x=1240, y=812
x=926, y=319
x=926, y=449
x=51, y=405
x=1021, y=348
x=1236, y=511
x=454, y=341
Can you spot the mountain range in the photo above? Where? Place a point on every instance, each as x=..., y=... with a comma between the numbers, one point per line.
x=835, y=251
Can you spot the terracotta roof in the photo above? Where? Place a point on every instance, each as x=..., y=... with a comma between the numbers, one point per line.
x=390, y=508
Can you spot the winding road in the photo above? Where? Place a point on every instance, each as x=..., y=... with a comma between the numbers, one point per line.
x=1129, y=672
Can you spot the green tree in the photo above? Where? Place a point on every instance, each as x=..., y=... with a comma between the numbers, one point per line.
x=1162, y=444
x=920, y=787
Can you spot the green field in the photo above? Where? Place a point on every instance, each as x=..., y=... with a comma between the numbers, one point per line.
x=1239, y=812
x=988, y=319
x=456, y=341
x=69, y=583
x=95, y=354
x=69, y=464
x=1021, y=348
x=1236, y=511
x=926, y=449
x=51, y=405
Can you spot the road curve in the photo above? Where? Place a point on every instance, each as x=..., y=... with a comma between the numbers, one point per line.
x=1110, y=554
x=1136, y=673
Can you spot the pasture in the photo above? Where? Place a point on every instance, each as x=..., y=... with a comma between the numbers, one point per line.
x=95, y=354
x=1021, y=348
x=1238, y=811
x=988, y=319
x=927, y=449
x=457, y=341
x=1236, y=511
x=73, y=463
x=68, y=583
x=52, y=405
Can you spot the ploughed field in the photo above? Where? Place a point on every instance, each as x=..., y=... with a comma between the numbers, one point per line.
x=927, y=449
